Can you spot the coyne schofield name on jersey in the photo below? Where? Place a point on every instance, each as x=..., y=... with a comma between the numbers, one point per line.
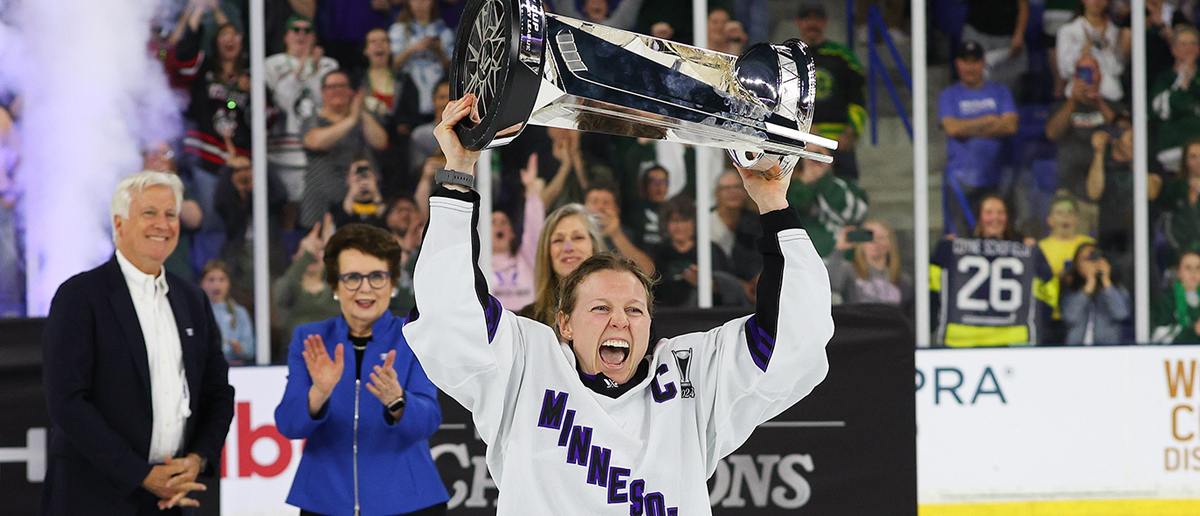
x=597, y=459
x=1003, y=268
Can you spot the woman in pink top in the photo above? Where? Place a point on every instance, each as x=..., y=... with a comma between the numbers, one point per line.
x=512, y=281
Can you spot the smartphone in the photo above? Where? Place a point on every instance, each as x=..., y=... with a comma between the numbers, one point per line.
x=1084, y=73
x=860, y=235
x=1095, y=255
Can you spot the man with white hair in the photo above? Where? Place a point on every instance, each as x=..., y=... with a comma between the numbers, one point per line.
x=136, y=384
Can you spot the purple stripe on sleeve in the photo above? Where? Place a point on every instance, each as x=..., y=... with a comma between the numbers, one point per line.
x=759, y=343
x=492, y=314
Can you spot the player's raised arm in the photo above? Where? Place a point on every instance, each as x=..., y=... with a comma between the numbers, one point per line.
x=452, y=329
x=765, y=363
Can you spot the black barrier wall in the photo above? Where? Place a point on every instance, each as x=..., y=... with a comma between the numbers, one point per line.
x=848, y=448
x=25, y=424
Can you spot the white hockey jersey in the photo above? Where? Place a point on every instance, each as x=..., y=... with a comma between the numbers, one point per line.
x=555, y=445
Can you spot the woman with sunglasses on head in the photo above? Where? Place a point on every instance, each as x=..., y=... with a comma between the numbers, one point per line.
x=648, y=421
x=357, y=394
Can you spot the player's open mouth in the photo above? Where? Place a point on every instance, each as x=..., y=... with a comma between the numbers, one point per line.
x=613, y=353
x=364, y=303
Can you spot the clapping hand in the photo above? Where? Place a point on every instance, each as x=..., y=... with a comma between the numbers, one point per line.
x=384, y=383
x=324, y=369
x=357, y=106
x=562, y=151
x=314, y=242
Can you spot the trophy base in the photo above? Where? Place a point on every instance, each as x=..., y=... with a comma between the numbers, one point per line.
x=496, y=61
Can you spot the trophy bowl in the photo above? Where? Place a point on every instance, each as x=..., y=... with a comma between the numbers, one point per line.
x=526, y=66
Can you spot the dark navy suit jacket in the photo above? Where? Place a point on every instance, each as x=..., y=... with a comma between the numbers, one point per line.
x=97, y=382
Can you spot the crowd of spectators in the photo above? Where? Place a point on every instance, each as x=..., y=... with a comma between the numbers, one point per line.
x=354, y=90
x=1039, y=116
x=1040, y=101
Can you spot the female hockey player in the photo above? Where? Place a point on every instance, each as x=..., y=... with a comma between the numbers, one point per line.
x=605, y=423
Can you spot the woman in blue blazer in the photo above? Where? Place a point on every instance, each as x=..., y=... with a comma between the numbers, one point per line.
x=368, y=424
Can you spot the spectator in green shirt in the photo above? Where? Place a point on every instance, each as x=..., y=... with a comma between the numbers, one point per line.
x=1177, y=312
x=1175, y=98
x=838, y=112
x=826, y=202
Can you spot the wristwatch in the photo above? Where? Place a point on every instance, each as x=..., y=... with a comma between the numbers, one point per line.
x=452, y=177
x=396, y=404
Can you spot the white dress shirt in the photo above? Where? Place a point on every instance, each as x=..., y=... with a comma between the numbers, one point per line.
x=168, y=381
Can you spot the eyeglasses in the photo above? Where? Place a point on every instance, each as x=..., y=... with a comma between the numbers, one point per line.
x=353, y=280
x=301, y=30
x=336, y=85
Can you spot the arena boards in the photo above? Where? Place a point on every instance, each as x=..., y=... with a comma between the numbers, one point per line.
x=1062, y=430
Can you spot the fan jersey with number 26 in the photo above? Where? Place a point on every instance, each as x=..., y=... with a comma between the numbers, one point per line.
x=988, y=291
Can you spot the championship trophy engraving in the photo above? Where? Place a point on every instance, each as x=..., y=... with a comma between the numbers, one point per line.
x=526, y=66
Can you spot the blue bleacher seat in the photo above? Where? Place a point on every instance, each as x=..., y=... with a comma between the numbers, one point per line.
x=1030, y=143
x=291, y=242
x=1035, y=44
x=206, y=245
x=1045, y=175
x=1043, y=181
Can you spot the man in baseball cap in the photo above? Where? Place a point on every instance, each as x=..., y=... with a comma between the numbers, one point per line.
x=969, y=50
x=811, y=9
x=977, y=116
x=839, y=113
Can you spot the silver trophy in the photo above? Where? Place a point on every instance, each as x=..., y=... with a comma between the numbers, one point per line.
x=528, y=66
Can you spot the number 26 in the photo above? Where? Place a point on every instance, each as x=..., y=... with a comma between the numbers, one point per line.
x=994, y=270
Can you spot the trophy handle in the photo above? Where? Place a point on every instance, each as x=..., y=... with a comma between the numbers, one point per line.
x=498, y=57
x=764, y=70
